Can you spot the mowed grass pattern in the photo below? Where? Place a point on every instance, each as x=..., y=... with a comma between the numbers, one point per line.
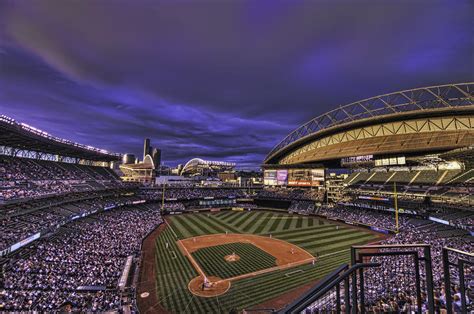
x=318, y=236
x=213, y=263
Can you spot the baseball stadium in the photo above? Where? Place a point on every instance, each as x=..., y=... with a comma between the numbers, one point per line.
x=366, y=208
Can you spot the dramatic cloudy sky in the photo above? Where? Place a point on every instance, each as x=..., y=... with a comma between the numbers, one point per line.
x=217, y=79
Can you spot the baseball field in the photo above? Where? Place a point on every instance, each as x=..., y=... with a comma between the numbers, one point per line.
x=180, y=255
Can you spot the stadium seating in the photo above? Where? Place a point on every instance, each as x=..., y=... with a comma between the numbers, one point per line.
x=175, y=207
x=449, y=186
x=379, y=177
x=20, y=220
x=302, y=207
x=191, y=193
x=83, y=248
x=290, y=194
x=363, y=216
x=464, y=177
x=427, y=177
x=28, y=178
x=420, y=177
x=401, y=298
x=80, y=264
x=357, y=178
x=403, y=177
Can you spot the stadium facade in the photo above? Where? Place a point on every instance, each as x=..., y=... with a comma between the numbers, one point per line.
x=408, y=128
x=22, y=140
x=407, y=123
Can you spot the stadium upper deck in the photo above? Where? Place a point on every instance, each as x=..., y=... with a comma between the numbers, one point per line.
x=35, y=164
x=416, y=121
x=21, y=136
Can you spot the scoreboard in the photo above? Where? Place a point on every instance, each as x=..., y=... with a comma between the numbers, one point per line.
x=294, y=177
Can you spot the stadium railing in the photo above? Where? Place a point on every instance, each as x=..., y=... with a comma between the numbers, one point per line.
x=413, y=264
x=332, y=294
x=455, y=265
x=376, y=272
x=311, y=295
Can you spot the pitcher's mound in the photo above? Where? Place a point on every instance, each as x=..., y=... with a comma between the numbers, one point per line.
x=232, y=258
x=216, y=286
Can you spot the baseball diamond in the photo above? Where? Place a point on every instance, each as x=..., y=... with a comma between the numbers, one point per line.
x=236, y=157
x=327, y=241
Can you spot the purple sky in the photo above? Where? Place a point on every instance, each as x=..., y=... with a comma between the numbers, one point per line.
x=222, y=80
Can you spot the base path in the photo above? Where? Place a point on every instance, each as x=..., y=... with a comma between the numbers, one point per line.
x=287, y=255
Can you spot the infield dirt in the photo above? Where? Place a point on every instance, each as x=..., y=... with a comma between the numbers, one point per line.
x=287, y=255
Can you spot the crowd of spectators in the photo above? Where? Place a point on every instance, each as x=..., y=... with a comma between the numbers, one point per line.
x=17, y=224
x=18, y=189
x=391, y=287
x=246, y=205
x=456, y=216
x=302, y=207
x=91, y=252
x=395, y=278
x=194, y=193
x=364, y=216
x=174, y=207
x=28, y=178
x=80, y=265
x=290, y=194
x=191, y=193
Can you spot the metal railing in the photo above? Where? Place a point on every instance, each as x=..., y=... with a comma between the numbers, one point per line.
x=456, y=264
x=334, y=294
x=405, y=269
x=377, y=272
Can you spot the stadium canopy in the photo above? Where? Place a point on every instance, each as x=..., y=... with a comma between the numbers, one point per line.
x=414, y=116
x=21, y=136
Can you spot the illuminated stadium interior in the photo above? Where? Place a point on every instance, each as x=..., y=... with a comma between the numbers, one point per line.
x=72, y=201
x=146, y=165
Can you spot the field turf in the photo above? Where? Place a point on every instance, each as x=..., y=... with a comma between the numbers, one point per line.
x=317, y=236
x=211, y=259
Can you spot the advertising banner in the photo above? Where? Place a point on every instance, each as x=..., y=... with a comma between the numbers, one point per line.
x=317, y=177
x=299, y=177
x=25, y=242
x=306, y=177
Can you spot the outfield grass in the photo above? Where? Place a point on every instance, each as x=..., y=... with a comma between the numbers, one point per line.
x=212, y=261
x=317, y=236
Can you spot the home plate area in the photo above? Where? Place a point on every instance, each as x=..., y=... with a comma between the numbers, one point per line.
x=222, y=258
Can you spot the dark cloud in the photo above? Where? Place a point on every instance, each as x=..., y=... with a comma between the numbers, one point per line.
x=217, y=79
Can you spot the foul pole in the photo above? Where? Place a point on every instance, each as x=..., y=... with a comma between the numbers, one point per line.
x=163, y=199
x=395, y=199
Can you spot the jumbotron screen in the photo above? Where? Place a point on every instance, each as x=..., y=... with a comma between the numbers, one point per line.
x=270, y=177
x=294, y=177
x=282, y=177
